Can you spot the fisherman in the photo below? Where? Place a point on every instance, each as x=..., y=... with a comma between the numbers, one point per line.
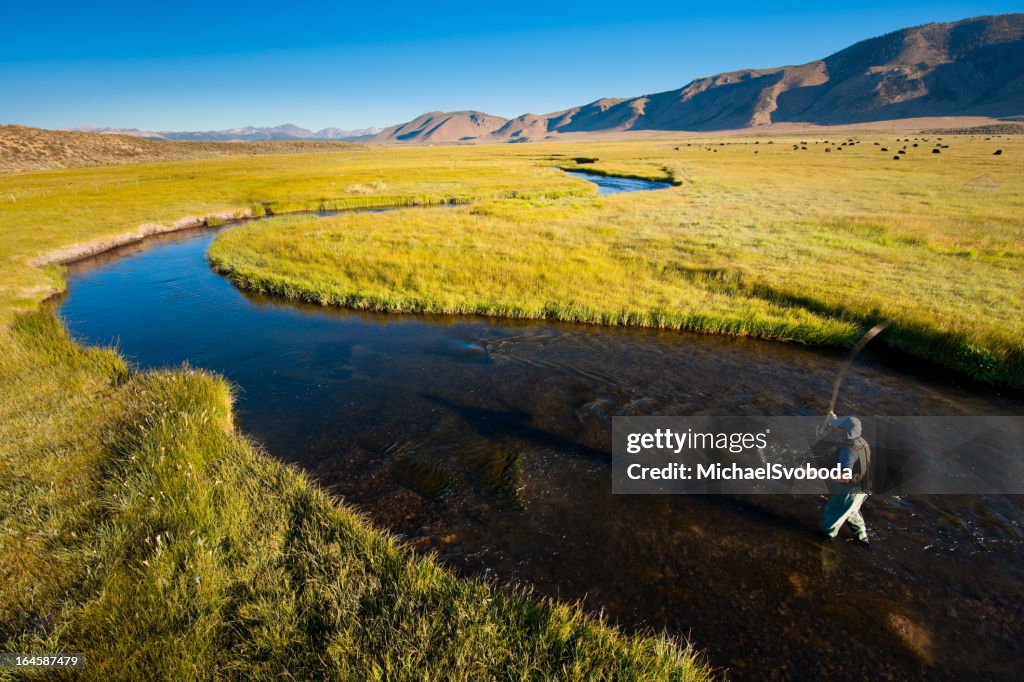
x=853, y=453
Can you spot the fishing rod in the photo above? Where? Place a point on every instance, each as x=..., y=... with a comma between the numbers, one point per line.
x=857, y=348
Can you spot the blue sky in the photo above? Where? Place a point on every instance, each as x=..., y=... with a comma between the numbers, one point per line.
x=207, y=65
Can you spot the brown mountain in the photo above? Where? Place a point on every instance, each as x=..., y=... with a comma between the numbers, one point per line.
x=441, y=126
x=973, y=67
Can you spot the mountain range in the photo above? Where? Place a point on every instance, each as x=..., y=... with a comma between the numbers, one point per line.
x=248, y=134
x=968, y=68
x=973, y=67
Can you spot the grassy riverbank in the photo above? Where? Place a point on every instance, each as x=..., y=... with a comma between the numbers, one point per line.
x=786, y=244
x=139, y=528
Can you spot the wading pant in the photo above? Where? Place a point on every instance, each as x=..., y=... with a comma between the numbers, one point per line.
x=843, y=507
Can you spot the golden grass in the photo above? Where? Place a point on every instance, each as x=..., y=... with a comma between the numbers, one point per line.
x=786, y=244
x=43, y=211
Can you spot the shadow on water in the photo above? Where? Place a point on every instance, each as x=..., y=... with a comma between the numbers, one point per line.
x=511, y=422
x=487, y=442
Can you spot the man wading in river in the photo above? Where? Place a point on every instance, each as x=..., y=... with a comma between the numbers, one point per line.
x=853, y=453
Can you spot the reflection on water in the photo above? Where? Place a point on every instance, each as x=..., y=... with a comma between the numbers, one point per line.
x=488, y=442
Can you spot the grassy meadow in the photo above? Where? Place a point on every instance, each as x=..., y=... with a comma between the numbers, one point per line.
x=791, y=244
x=140, y=527
x=47, y=210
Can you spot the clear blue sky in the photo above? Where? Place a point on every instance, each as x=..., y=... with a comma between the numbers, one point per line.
x=190, y=65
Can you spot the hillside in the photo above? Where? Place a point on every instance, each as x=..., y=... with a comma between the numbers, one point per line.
x=23, y=148
x=973, y=67
x=441, y=126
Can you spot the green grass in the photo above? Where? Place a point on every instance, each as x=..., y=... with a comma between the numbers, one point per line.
x=582, y=165
x=510, y=259
x=796, y=246
x=141, y=529
x=42, y=211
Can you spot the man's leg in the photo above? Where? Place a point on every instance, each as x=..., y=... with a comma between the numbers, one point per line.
x=856, y=519
x=837, y=510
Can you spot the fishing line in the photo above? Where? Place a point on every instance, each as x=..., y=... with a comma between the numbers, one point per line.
x=857, y=348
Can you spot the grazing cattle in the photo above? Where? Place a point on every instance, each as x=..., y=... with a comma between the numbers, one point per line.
x=998, y=152
x=896, y=158
x=885, y=149
x=902, y=151
x=936, y=151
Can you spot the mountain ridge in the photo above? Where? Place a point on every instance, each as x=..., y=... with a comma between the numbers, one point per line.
x=972, y=67
x=287, y=131
x=442, y=126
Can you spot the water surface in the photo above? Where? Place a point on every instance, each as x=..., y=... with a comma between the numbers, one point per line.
x=613, y=185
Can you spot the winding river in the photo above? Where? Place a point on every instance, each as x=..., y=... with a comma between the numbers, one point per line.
x=488, y=442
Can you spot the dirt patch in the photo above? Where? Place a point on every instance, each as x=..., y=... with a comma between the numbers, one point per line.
x=69, y=254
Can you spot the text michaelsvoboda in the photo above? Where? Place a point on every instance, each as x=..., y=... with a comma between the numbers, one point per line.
x=734, y=472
